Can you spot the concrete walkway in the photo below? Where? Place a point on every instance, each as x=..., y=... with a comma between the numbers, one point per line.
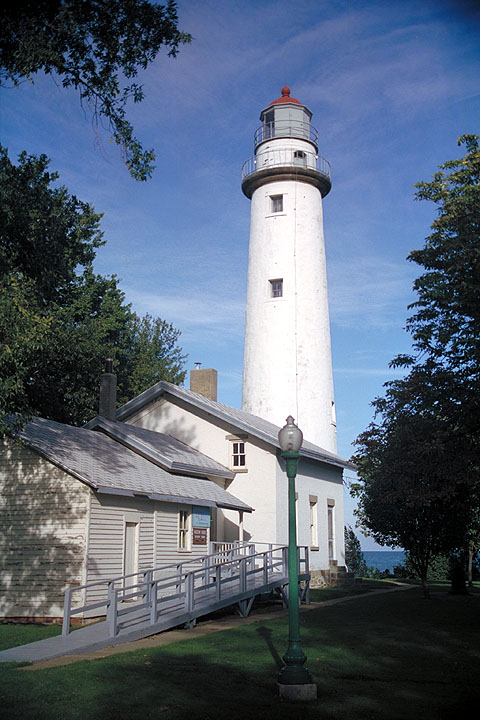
x=206, y=627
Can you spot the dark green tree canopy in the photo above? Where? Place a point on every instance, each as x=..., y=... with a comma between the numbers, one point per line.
x=446, y=323
x=419, y=460
x=97, y=47
x=45, y=232
x=59, y=320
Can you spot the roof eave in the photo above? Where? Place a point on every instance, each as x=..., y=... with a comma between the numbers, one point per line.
x=162, y=389
x=99, y=424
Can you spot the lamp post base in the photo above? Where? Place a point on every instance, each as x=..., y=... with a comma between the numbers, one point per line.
x=297, y=693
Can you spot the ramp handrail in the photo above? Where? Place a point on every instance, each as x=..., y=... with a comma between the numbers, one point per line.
x=153, y=591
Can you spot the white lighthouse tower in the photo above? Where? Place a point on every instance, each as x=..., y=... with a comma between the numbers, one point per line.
x=287, y=361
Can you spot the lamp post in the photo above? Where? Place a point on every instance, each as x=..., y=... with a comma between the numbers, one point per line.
x=294, y=679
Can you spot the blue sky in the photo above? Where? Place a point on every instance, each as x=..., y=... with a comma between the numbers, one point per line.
x=391, y=85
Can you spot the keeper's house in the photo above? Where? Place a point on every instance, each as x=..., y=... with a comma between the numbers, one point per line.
x=175, y=476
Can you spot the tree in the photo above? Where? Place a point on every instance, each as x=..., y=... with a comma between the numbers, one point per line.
x=415, y=487
x=58, y=319
x=152, y=354
x=97, y=47
x=353, y=553
x=446, y=324
x=419, y=460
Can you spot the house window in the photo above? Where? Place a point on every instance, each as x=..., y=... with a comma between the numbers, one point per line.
x=276, y=288
x=331, y=529
x=313, y=522
x=276, y=203
x=184, y=533
x=238, y=454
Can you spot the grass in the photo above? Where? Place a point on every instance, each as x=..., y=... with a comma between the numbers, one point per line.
x=392, y=656
x=13, y=635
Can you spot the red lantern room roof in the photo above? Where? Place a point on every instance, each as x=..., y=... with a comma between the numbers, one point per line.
x=285, y=98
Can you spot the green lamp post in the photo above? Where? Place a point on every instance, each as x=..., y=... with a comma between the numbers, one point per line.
x=294, y=679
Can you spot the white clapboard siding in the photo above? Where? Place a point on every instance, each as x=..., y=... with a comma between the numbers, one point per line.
x=108, y=517
x=167, y=530
x=43, y=518
x=157, y=538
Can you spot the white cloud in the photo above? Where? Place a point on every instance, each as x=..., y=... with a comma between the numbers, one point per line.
x=193, y=314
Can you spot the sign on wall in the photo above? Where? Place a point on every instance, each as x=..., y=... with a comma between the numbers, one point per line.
x=200, y=517
x=199, y=536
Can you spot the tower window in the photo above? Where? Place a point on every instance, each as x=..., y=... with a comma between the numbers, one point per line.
x=277, y=203
x=276, y=288
x=299, y=154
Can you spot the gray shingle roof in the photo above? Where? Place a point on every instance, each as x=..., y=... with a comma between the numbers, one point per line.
x=164, y=450
x=108, y=466
x=239, y=419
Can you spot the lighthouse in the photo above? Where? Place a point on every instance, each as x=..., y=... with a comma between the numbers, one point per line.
x=287, y=356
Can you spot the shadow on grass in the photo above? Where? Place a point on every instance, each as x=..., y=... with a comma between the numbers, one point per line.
x=266, y=633
x=387, y=657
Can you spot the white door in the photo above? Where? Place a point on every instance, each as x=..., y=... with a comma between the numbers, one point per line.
x=130, y=554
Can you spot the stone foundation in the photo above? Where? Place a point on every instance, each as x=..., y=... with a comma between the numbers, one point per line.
x=334, y=575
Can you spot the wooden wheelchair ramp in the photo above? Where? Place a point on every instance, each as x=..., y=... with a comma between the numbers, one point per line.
x=146, y=603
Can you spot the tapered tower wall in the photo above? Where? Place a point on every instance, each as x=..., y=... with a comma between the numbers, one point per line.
x=287, y=358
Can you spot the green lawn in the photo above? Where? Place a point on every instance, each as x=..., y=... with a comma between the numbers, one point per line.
x=13, y=635
x=391, y=656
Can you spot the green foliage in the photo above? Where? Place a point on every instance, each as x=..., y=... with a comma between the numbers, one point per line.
x=58, y=319
x=354, y=559
x=152, y=355
x=97, y=47
x=419, y=460
x=446, y=324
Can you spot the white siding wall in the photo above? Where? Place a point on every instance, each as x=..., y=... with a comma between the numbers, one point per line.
x=43, y=518
x=325, y=483
x=108, y=517
x=157, y=538
x=167, y=536
x=263, y=486
x=256, y=487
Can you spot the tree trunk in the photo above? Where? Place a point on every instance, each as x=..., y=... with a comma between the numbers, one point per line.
x=426, y=589
x=470, y=568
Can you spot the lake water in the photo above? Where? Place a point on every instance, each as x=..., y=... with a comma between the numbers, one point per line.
x=383, y=559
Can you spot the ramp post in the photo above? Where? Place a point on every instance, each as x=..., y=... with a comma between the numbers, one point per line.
x=147, y=579
x=112, y=609
x=243, y=574
x=67, y=604
x=189, y=599
x=153, y=599
x=218, y=588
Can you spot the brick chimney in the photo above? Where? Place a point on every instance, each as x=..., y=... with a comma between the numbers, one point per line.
x=204, y=381
x=108, y=392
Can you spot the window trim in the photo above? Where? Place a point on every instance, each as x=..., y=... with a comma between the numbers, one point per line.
x=240, y=439
x=184, y=532
x=313, y=504
x=272, y=289
x=274, y=199
x=331, y=536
